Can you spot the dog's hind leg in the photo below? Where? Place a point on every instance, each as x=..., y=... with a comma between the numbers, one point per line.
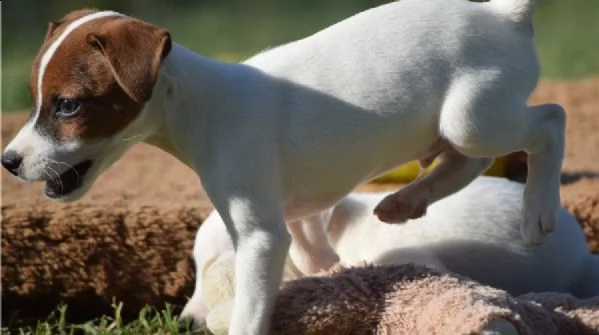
x=454, y=172
x=311, y=251
x=492, y=123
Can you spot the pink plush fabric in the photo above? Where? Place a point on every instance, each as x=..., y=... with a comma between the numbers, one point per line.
x=411, y=299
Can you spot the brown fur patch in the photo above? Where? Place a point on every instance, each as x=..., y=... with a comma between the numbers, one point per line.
x=55, y=29
x=82, y=68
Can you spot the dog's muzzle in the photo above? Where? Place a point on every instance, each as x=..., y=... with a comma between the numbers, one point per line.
x=68, y=181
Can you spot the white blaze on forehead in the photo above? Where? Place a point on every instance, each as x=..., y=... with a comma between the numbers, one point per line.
x=47, y=56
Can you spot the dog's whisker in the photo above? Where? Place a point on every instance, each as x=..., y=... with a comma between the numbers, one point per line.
x=57, y=177
x=47, y=174
x=130, y=138
x=69, y=166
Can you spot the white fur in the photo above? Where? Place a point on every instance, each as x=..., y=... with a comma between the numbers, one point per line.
x=472, y=233
x=292, y=130
x=212, y=241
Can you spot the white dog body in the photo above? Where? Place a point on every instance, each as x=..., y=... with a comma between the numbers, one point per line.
x=472, y=233
x=294, y=129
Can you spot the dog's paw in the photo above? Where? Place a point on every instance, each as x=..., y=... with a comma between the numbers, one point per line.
x=537, y=226
x=396, y=208
x=540, y=219
x=189, y=324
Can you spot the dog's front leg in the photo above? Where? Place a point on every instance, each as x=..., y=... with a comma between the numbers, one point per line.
x=260, y=258
x=261, y=242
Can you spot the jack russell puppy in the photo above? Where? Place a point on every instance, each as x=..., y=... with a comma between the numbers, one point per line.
x=292, y=130
x=472, y=233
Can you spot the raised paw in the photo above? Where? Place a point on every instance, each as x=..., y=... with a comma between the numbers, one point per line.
x=396, y=208
x=540, y=220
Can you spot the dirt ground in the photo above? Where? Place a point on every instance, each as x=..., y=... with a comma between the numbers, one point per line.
x=130, y=237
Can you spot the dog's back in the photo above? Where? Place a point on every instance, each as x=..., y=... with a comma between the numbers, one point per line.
x=398, y=47
x=391, y=70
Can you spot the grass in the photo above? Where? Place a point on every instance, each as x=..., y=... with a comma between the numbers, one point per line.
x=566, y=35
x=149, y=322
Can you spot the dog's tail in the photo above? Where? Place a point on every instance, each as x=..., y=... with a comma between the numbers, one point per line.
x=587, y=284
x=516, y=10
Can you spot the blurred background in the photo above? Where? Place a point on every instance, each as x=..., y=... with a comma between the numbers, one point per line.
x=567, y=32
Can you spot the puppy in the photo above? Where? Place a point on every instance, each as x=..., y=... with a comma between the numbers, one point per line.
x=289, y=132
x=472, y=233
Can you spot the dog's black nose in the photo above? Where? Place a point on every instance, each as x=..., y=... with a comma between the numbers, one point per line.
x=11, y=161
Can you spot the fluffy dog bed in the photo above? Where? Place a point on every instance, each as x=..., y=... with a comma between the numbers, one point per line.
x=85, y=255
x=409, y=299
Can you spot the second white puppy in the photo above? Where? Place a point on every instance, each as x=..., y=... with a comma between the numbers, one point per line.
x=473, y=233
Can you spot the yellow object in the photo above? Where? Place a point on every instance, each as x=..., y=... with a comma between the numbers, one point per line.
x=409, y=171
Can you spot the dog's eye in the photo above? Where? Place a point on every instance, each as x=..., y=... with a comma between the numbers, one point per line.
x=67, y=107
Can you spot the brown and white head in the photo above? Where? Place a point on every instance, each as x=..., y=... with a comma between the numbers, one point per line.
x=90, y=81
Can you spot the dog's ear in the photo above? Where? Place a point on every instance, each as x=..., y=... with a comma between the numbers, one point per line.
x=70, y=17
x=135, y=51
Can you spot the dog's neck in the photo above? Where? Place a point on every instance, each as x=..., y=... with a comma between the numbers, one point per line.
x=190, y=97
